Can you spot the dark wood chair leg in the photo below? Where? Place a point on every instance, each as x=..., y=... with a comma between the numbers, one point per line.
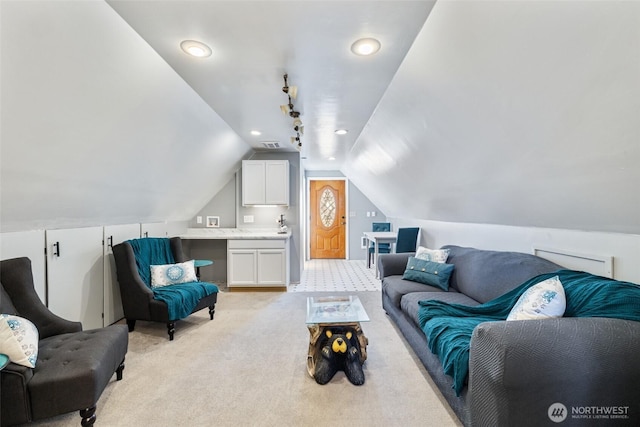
x=119, y=371
x=171, y=328
x=131, y=324
x=212, y=310
x=88, y=416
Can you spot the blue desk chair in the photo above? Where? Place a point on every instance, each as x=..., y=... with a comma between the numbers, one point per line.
x=383, y=248
x=407, y=239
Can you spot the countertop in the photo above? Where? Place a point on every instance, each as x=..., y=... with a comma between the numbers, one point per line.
x=236, y=234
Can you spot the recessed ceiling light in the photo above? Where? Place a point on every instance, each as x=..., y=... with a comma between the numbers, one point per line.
x=256, y=132
x=365, y=47
x=195, y=48
x=332, y=158
x=341, y=132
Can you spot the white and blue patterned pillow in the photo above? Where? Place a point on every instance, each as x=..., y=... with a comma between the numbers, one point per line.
x=544, y=300
x=19, y=340
x=433, y=255
x=171, y=274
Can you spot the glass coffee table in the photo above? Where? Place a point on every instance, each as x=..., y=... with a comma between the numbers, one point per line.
x=325, y=312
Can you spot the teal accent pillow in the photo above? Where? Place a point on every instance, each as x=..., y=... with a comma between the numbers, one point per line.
x=428, y=272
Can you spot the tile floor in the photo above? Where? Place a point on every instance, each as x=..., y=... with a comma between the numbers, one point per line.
x=336, y=275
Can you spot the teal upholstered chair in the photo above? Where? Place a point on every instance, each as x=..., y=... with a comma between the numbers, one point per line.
x=407, y=239
x=383, y=248
x=168, y=304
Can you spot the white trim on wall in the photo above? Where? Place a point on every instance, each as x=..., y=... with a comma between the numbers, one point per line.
x=601, y=265
x=623, y=248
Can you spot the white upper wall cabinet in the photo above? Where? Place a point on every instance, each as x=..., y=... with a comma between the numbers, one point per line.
x=265, y=182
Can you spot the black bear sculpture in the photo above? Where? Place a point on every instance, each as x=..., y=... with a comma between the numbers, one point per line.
x=339, y=352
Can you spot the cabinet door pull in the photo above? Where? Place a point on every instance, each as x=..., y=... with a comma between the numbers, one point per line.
x=56, y=249
x=110, y=242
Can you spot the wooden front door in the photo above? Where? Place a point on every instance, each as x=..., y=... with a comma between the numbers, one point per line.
x=328, y=221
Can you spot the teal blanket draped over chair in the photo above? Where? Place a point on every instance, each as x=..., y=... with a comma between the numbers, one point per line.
x=448, y=327
x=151, y=251
x=181, y=298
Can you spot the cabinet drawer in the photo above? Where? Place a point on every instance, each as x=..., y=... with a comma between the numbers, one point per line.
x=256, y=244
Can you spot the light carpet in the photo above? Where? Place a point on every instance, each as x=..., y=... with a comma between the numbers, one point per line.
x=247, y=367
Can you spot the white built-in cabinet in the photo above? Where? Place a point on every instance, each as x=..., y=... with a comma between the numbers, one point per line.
x=113, y=235
x=76, y=293
x=73, y=269
x=265, y=182
x=258, y=262
x=28, y=244
x=153, y=229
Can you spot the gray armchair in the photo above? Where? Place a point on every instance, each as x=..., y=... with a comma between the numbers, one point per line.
x=73, y=366
x=138, y=299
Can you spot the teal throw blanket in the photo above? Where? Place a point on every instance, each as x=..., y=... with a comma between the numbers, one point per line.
x=181, y=299
x=151, y=251
x=448, y=327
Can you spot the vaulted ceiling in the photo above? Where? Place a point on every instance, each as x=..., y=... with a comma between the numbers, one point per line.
x=502, y=112
x=255, y=43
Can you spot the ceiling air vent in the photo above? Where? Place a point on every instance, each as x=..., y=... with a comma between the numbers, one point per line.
x=271, y=145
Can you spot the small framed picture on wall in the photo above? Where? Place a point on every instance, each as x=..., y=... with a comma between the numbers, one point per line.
x=213, y=221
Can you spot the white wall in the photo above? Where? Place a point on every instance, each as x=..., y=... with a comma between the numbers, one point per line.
x=522, y=113
x=96, y=128
x=624, y=248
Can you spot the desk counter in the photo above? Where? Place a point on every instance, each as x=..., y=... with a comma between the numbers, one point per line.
x=235, y=234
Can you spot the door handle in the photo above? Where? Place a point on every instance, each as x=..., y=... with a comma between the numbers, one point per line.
x=110, y=242
x=56, y=249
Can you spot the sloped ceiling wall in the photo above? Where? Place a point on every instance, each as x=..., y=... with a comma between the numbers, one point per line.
x=515, y=113
x=96, y=128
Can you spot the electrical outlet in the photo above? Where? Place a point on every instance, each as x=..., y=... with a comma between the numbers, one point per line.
x=373, y=213
x=199, y=220
x=368, y=213
x=248, y=218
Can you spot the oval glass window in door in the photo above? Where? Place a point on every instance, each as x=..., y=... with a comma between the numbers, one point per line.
x=327, y=207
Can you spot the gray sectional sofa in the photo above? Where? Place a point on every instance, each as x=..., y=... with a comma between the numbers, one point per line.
x=524, y=373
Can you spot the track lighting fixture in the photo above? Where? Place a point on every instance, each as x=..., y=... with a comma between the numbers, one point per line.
x=295, y=140
x=292, y=92
x=287, y=108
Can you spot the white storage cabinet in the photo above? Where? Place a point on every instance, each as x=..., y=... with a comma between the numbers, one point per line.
x=265, y=182
x=258, y=262
x=75, y=274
